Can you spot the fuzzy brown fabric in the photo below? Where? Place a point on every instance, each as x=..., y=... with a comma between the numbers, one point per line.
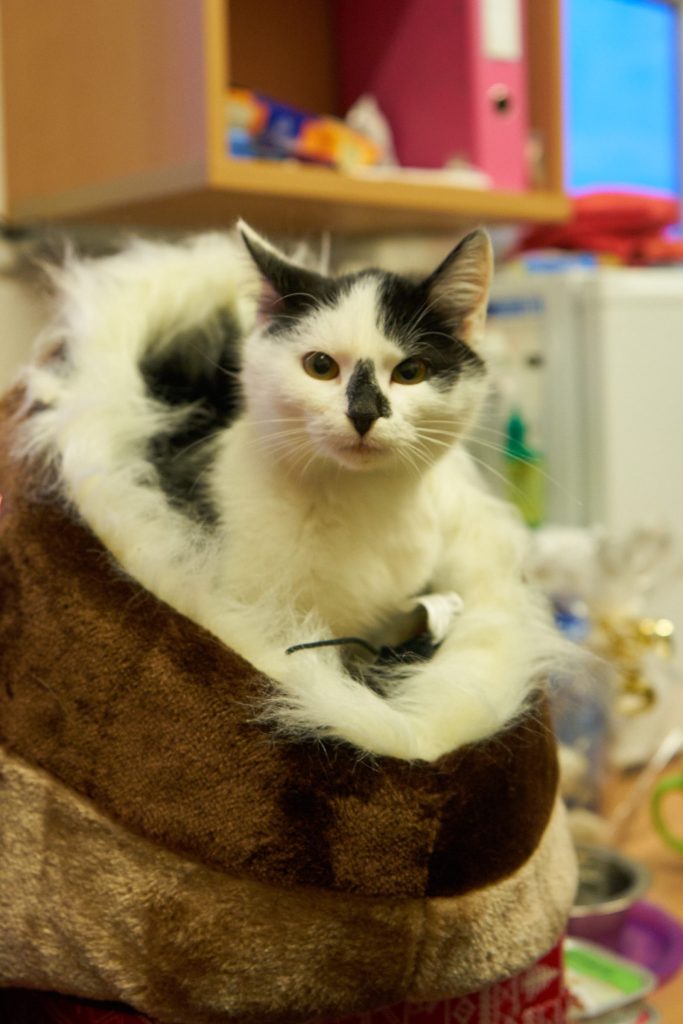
x=89, y=907
x=160, y=847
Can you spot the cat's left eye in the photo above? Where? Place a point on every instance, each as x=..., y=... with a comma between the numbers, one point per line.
x=321, y=366
x=410, y=371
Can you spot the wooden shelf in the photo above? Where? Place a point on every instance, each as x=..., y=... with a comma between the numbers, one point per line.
x=114, y=113
x=289, y=199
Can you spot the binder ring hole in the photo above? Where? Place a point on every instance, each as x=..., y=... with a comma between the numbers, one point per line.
x=500, y=98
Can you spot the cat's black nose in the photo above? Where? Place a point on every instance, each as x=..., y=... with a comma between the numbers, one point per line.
x=366, y=401
x=362, y=421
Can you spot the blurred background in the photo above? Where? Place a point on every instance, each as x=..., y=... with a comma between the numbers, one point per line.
x=380, y=131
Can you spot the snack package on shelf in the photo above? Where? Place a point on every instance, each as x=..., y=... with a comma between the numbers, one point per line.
x=262, y=127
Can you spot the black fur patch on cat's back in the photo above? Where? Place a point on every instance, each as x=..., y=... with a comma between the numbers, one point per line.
x=199, y=370
x=407, y=317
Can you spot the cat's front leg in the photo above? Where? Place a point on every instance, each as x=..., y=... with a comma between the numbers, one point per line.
x=496, y=651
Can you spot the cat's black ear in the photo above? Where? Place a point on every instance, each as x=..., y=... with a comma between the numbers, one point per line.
x=459, y=287
x=290, y=288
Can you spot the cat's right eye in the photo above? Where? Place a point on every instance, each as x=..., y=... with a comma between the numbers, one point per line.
x=321, y=366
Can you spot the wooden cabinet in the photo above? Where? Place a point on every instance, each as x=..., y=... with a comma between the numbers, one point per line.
x=115, y=109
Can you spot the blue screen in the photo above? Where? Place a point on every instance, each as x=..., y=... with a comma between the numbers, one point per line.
x=621, y=96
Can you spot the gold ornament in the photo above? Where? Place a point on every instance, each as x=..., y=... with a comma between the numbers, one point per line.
x=625, y=643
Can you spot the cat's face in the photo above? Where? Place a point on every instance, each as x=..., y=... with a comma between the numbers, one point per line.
x=370, y=371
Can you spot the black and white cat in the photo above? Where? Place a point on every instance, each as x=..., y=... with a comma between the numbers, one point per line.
x=296, y=475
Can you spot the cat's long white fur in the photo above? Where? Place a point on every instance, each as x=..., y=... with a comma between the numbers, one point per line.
x=249, y=591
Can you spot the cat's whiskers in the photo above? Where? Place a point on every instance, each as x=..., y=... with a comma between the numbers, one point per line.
x=265, y=432
x=290, y=453
x=472, y=438
x=503, y=450
x=500, y=476
x=445, y=421
x=272, y=432
x=300, y=464
x=414, y=461
x=273, y=428
x=429, y=435
x=419, y=456
x=451, y=432
x=510, y=488
x=280, y=442
x=436, y=442
x=496, y=448
x=274, y=443
x=279, y=419
x=489, y=429
x=408, y=461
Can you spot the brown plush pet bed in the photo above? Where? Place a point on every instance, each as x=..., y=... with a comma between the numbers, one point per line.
x=161, y=847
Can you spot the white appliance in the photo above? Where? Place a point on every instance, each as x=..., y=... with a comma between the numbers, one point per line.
x=594, y=357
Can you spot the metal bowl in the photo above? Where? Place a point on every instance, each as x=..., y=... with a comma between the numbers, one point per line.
x=609, y=883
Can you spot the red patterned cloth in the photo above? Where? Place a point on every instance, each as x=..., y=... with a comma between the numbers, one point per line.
x=538, y=996
x=21, y=1006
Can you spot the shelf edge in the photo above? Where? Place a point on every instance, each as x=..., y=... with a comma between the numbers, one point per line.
x=134, y=188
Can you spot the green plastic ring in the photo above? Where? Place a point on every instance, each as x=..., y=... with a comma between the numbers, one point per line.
x=662, y=789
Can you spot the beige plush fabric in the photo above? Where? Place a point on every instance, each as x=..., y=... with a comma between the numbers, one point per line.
x=83, y=899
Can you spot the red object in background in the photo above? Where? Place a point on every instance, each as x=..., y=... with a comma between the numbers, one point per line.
x=628, y=226
x=448, y=87
x=537, y=996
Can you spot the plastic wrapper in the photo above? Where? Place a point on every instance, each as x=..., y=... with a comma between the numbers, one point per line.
x=261, y=127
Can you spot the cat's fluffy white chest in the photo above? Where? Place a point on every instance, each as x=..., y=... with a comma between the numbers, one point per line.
x=351, y=550
x=360, y=571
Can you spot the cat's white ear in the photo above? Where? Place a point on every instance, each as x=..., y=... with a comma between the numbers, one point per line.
x=459, y=287
x=287, y=284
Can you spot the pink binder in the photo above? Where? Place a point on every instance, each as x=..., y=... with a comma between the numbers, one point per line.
x=450, y=76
